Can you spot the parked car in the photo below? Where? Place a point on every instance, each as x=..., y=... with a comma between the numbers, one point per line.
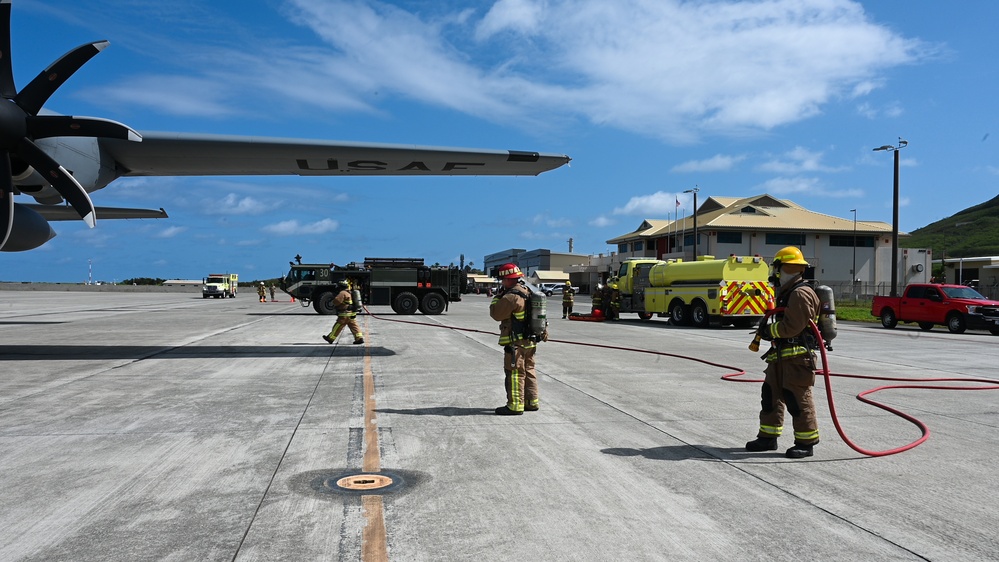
x=955, y=306
x=552, y=288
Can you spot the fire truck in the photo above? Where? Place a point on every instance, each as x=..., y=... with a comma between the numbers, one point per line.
x=220, y=285
x=405, y=284
x=706, y=292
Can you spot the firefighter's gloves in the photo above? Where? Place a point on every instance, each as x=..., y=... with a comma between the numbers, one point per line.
x=764, y=332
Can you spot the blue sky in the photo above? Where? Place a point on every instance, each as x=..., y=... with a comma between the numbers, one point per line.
x=649, y=98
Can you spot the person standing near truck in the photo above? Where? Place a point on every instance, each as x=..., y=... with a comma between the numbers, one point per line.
x=262, y=292
x=509, y=308
x=790, y=372
x=345, y=315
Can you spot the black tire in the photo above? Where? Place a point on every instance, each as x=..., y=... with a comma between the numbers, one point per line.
x=678, y=313
x=888, y=318
x=699, y=315
x=324, y=303
x=994, y=331
x=956, y=323
x=926, y=326
x=405, y=303
x=432, y=303
x=645, y=315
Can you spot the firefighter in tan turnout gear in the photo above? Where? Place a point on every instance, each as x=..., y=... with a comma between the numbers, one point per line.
x=790, y=372
x=509, y=308
x=345, y=315
x=567, y=299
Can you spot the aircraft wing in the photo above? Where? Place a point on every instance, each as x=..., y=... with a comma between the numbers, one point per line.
x=182, y=154
x=65, y=213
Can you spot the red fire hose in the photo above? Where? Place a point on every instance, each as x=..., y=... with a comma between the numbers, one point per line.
x=982, y=383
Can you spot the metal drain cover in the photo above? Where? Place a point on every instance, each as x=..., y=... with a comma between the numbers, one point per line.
x=358, y=483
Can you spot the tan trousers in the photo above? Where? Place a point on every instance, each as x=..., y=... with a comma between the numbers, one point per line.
x=521, y=382
x=788, y=383
x=349, y=322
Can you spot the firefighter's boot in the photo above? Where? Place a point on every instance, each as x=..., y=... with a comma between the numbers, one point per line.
x=799, y=451
x=328, y=339
x=358, y=341
x=504, y=411
x=762, y=444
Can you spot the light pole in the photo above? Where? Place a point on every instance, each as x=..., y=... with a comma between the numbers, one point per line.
x=854, y=270
x=894, y=216
x=694, y=191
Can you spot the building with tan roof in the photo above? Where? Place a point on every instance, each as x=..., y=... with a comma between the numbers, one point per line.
x=763, y=224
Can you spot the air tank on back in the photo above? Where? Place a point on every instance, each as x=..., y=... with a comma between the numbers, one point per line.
x=827, y=314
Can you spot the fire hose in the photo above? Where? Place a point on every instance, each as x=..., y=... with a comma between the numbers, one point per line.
x=827, y=375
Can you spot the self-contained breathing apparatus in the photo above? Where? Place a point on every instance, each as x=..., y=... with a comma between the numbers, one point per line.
x=535, y=324
x=826, y=320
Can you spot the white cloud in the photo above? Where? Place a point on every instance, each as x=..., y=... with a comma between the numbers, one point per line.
x=796, y=161
x=520, y=16
x=807, y=186
x=717, y=163
x=293, y=227
x=550, y=222
x=669, y=69
x=171, y=231
x=602, y=221
x=659, y=203
x=232, y=204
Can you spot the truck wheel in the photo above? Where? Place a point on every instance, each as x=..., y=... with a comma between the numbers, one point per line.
x=888, y=319
x=955, y=323
x=432, y=303
x=645, y=315
x=324, y=303
x=994, y=331
x=678, y=313
x=699, y=314
x=926, y=326
x=405, y=303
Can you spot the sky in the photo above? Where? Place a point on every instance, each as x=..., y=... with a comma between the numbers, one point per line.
x=650, y=98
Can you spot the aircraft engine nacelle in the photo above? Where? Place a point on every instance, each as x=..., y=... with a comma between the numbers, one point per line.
x=30, y=230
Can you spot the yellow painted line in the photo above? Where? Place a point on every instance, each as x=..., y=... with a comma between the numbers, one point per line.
x=374, y=541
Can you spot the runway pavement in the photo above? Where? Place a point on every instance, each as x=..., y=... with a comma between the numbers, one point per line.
x=159, y=426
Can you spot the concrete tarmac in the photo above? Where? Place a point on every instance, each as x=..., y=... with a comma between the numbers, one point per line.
x=160, y=426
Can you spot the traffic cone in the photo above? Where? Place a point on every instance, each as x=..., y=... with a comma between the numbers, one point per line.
x=292, y=299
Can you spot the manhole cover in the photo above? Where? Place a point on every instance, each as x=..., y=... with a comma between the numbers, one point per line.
x=358, y=483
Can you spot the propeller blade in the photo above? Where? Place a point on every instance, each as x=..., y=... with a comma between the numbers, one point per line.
x=44, y=126
x=37, y=92
x=61, y=180
x=7, y=87
x=6, y=198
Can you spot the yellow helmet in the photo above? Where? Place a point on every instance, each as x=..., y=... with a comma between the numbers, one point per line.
x=790, y=255
x=568, y=284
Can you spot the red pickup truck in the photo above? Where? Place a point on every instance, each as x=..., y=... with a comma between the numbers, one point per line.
x=955, y=306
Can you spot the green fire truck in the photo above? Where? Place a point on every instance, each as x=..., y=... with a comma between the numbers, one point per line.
x=405, y=284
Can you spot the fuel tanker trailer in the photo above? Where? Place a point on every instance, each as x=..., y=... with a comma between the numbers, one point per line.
x=707, y=292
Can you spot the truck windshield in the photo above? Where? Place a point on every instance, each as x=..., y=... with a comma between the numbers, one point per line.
x=962, y=293
x=215, y=280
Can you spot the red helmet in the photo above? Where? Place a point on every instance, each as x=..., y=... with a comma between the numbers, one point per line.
x=509, y=271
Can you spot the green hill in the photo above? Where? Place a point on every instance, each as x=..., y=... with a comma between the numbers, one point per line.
x=971, y=232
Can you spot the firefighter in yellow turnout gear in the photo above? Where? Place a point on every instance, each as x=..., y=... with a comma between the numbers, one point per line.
x=509, y=308
x=790, y=372
x=345, y=315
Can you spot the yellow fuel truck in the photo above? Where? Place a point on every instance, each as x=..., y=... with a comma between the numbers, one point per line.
x=706, y=292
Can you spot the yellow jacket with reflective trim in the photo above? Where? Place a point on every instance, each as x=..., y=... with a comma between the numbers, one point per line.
x=505, y=307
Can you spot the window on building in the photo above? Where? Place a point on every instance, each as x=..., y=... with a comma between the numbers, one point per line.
x=785, y=239
x=730, y=238
x=622, y=248
x=846, y=241
x=638, y=246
